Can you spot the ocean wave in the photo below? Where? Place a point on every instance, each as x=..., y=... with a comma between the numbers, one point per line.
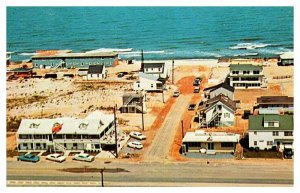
x=110, y=50
x=248, y=46
x=28, y=54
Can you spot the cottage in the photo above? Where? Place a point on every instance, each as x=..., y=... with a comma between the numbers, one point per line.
x=94, y=131
x=218, y=111
x=212, y=142
x=274, y=105
x=266, y=131
x=286, y=59
x=222, y=88
x=246, y=76
x=133, y=103
x=155, y=68
x=74, y=60
x=22, y=72
x=96, y=72
x=148, y=82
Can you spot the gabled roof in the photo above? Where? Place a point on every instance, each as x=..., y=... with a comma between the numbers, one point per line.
x=221, y=85
x=244, y=67
x=96, y=69
x=223, y=99
x=275, y=100
x=256, y=122
x=148, y=76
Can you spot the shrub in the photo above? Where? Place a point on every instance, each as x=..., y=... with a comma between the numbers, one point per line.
x=251, y=148
x=257, y=149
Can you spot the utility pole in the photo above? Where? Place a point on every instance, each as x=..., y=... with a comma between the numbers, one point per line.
x=101, y=172
x=142, y=61
x=182, y=129
x=116, y=136
x=173, y=71
x=143, y=126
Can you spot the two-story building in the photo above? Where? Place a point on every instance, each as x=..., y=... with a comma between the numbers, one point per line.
x=157, y=69
x=149, y=82
x=246, y=76
x=266, y=131
x=133, y=103
x=218, y=111
x=93, y=132
x=274, y=105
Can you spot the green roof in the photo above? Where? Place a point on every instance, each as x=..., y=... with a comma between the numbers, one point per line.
x=256, y=122
x=244, y=67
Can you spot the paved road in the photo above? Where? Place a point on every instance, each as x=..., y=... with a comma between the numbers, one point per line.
x=160, y=146
x=152, y=174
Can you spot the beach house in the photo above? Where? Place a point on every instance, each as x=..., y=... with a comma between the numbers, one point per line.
x=274, y=105
x=218, y=111
x=155, y=68
x=149, y=82
x=266, y=131
x=286, y=58
x=74, y=60
x=211, y=142
x=93, y=132
x=246, y=76
x=222, y=88
x=133, y=103
x=96, y=72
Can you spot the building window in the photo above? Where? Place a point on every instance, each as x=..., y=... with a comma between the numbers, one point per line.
x=158, y=69
x=271, y=124
x=236, y=79
x=288, y=133
x=151, y=85
x=235, y=72
x=147, y=69
x=138, y=85
x=226, y=115
x=246, y=72
x=82, y=64
x=275, y=133
x=256, y=72
x=269, y=142
x=255, y=132
x=194, y=144
x=227, y=144
x=36, y=65
x=152, y=69
x=255, y=142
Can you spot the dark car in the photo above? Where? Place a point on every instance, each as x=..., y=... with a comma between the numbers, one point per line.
x=192, y=107
x=29, y=158
x=196, y=82
x=288, y=153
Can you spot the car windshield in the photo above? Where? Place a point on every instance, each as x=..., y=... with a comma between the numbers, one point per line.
x=29, y=156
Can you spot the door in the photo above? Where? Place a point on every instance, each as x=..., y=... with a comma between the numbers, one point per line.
x=211, y=146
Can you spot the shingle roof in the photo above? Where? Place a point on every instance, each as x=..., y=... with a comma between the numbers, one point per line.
x=201, y=136
x=256, y=122
x=223, y=84
x=275, y=100
x=244, y=67
x=221, y=98
x=95, y=69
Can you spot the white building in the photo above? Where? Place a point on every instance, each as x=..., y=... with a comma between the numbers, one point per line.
x=275, y=104
x=93, y=132
x=96, y=72
x=218, y=111
x=286, y=59
x=266, y=131
x=157, y=69
x=149, y=82
x=243, y=76
x=213, y=142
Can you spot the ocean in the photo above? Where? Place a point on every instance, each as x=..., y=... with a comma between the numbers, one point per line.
x=162, y=32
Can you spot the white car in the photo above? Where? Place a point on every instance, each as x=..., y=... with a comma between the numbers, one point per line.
x=137, y=135
x=176, y=93
x=84, y=157
x=56, y=157
x=135, y=144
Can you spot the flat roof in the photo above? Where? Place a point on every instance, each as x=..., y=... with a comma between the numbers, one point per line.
x=79, y=55
x=287, y=55
x=244, y=67
x=275, y=100
x=256, y=122
x=93, y=124
x=201, y=136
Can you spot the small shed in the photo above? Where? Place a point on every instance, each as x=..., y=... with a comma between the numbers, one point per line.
x=96, y=72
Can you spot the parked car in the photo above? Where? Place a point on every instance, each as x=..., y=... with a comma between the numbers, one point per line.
x=29, y=158
x=192, y=107
x=198, y=78
x=176, y=94
x=137, y=135
x=196, y=90
x=135, y=144
x=288, y=153
x=56, y=157
x=196, y=82
x=84, y=157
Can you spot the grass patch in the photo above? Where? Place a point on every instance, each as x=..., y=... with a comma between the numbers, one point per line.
x=13, y=102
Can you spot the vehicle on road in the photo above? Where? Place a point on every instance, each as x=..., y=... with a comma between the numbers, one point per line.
x=29, y=158
x=288, y=153
x=192, y=107
x=56, y=157
x=84, y=157
x=121, y=74
x=196, y=82
x=176, y=94
x=137, y=135
x=196, y=89
x=135, y=144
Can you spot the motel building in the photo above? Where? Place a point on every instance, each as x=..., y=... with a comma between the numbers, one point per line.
x=212, y=142
x=95, y=132
x=74, y=60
